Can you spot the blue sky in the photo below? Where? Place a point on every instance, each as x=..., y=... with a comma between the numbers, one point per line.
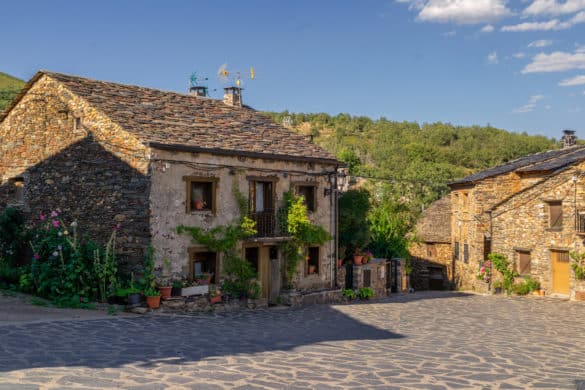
x=518, y=65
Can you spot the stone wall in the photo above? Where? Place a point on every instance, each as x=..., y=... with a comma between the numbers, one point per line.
x=431, y=255
x=74, y=158
x=168, y=205
x=522, y=224
x=378, y=276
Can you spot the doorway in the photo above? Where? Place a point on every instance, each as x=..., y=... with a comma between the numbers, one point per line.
x=264, y=260
x=560, y=272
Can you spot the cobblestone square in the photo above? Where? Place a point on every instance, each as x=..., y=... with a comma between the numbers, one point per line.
x=419, y=341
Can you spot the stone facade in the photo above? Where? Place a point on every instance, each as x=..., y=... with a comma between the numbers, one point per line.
x=508, y=212
x=372, y=274
x=97, y=151
x=432, y=266
x=168, y=208
x=69, y=156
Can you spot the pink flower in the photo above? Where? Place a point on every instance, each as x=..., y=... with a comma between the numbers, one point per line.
x=37, y=256
x=482, y=270
x=117, y=227
x=58, y=210
x=42, y=216
x=54, y=214
x=55, y=223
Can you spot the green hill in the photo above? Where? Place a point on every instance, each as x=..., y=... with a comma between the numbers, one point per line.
x=9, y=88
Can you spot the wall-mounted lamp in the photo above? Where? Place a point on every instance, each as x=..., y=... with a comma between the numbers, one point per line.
x=336, y=179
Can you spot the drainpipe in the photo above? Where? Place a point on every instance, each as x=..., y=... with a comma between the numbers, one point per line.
x=491, y=248
x=334, y=205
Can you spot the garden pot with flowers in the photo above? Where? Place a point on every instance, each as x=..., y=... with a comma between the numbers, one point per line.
x=152, y=298
x=367, y=256
x=485, y=272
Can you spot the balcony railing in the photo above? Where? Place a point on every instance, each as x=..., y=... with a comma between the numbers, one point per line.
x=580, y=223
x=269, y=223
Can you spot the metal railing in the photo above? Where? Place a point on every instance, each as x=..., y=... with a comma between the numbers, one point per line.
x=269, y=223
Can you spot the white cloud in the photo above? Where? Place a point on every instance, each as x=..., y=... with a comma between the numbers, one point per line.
x=492, y=58
x=553, y=7
x=532, y=26
x=519, y=55
x=541, y=43
x=530, y=106
x=451, y=33
x=488, y=28
x=553, y=24
x=577, y=80
x=555, y=62
x=579, y=48
x=459, y=11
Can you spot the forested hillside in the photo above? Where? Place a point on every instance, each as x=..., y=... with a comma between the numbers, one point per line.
x=410, y=163
x=9, y=88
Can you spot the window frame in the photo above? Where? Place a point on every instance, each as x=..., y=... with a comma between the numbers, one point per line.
x=519, y=254
x=466, y=253
x=214, y=181
x=252, y=180
x=297, y=185
x=192, y=252
x=557, y=224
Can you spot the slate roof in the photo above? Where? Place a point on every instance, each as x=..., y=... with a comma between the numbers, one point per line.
x=434, y=225
x=168, y=119
x=544, y=161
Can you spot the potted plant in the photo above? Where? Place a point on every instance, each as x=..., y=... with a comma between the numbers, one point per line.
x=214, y=296
x=133, y=293
x=367, y=256
x=165, y=289
x=358, y=258
x=202, y=279
x=177, y=285
x=152, y=298
x=311, y=269
x=498, y=286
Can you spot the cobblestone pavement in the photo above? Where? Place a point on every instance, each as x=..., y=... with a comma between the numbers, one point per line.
x=418, y=341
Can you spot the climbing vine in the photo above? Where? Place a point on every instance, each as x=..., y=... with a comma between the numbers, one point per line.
x=301, y=230
x=240, y=278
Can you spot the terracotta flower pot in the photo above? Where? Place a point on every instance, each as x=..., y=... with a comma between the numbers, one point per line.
x=214, y=300
x=165, y=292
x=339, y=263
x=153, y=302
x=198, y=204
x=365, y=260
x=311, y=269
x=357, y=259
x=541, y=292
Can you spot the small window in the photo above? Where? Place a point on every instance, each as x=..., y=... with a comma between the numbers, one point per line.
x=201, y=194
x=19, y=190
x=431, y=250
x=203, y=265
x=523, y=262
x=555, y=213
x=313, y=260
x=308, y=193
x=456, y=251
x=466, y=253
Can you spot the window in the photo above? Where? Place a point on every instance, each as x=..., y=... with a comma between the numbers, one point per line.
x=18, y=184
x=466, y=253
x=261, y=194
x=201, y=194
x=313, y=260
x=555, y=214
x=523, y=262
x=456, y=251
x=431, y=250
x=201, y=263
x=308, y=193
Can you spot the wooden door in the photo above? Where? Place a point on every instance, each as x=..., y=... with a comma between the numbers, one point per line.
x=264, y=271
x=560, y=272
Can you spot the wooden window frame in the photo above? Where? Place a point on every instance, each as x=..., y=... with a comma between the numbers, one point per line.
x=194, y=250
x=519, y=254
x=466, y=253
x=315, y=186
x=431, y=250
x=252, y=180
x=557, y=223
x=456, y=250
x=214, y=181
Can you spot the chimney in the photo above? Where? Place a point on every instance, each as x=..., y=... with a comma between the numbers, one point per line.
x=569, y=138
x=198, y=90
x=232, y=96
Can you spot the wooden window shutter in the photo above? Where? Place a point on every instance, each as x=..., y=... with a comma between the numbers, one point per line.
x=555, y=215
x=524, y=263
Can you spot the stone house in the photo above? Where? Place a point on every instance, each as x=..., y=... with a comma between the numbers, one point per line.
x=431, y=252
x=531, y=209
x=151, y=160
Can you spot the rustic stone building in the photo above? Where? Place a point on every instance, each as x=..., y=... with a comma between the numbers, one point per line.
x=107, y=153
x=431, y=252
x=530, y=210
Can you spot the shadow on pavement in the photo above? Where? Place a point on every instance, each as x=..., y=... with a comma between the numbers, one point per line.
x=147, y=340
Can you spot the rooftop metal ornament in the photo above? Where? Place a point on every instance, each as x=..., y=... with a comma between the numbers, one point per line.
x=235, y=78
x=195, y=79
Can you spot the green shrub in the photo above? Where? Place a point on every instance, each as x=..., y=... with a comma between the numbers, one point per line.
x=348, y=293
x=13, y=235
x=366, y=293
